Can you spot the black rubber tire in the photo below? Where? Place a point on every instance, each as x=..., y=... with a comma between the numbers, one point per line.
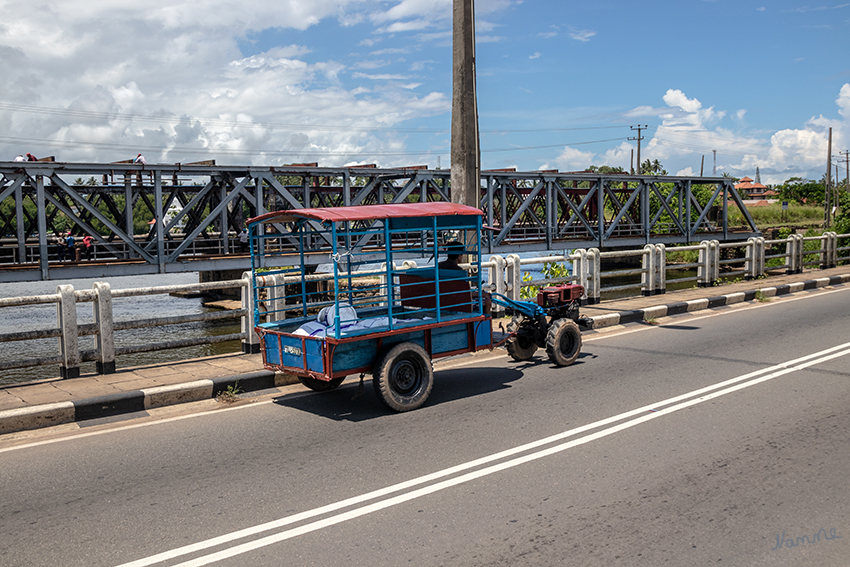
x=321, y=385
x=563, y=342
x=403, y=377
x=519, y=347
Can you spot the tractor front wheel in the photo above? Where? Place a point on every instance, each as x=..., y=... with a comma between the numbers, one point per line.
x=563, y=342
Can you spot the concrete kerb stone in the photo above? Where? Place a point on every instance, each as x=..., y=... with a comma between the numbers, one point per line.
x=655, y=312
x=611, y=319
x=607, y=320
x=46, y=415
x=172, y=394
x=36, y=417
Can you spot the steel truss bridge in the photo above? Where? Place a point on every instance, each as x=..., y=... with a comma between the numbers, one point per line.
x=197, y=211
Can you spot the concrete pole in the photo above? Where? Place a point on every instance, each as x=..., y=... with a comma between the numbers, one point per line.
x=465, y=152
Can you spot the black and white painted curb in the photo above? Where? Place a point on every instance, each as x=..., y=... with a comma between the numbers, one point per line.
x=47, y=415
x=638, y=315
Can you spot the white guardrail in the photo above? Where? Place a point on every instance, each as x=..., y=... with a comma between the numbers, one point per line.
x=505, y=276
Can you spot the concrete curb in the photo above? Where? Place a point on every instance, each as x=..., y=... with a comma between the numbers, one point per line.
x=623, y=317
x=46, y=415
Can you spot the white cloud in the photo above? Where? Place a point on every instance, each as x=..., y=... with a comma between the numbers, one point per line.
x=688, y=130
x=582, y=35
x=536, y=55
x=553, y=32
x=572, y=159
x=165, y=76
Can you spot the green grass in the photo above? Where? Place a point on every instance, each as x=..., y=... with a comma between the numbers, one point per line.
x=772, y=215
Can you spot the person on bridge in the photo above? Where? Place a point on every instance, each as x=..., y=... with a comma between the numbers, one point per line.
x=61, y=248
x=87, y=246
x=243, y=240
x=31, y=157
x=20, y=158
x=69, y=245
x=140, y=159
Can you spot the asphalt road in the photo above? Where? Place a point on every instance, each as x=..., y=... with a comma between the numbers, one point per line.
x=713, y=439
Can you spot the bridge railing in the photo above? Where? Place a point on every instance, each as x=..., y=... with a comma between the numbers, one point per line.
x=104, y=328
x=504, y=275
x=797, y=253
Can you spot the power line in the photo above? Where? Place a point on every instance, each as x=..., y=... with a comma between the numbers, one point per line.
x=159, y=119
x=230, y=151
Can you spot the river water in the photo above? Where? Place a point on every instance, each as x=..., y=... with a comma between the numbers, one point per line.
x=38, y=317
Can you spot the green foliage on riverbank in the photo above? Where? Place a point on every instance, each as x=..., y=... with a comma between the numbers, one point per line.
x=772, y=215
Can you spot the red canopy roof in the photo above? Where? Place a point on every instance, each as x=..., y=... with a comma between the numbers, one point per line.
x=369, y=212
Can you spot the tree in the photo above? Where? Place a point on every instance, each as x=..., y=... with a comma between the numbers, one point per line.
x=802, y=191
x=652, y=168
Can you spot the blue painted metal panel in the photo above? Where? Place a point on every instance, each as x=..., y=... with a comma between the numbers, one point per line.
x=483, y=333
x=315, y=360
x=447, y=339
x=272, y=350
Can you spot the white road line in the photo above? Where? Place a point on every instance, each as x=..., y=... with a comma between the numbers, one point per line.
x=651, y=411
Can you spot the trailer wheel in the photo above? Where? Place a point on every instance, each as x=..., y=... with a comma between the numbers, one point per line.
x=563, y=342
x=321, y=385
x=521, y=346
x=403, y=377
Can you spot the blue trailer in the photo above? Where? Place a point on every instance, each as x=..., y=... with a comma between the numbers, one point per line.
x=392, y=297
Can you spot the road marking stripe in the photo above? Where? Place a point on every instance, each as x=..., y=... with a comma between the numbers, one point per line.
x=650, y=411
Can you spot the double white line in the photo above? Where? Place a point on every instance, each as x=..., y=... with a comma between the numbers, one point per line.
x=623, y=421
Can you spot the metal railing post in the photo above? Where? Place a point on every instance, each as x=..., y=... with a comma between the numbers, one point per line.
x=750, y=259
x=704, y=268
x=715, y=258
x=496, y=275
x=825, y=242
x=105, y=338
x=594, y=278
x=69, y=339
x=660, y=269
x=276, y=297
x=580, y=271
x=834, y=260
x=798, y=238
x=514, y=277
x=791, y=254
x=250, y=341
x=647, y=276
x=385, y=284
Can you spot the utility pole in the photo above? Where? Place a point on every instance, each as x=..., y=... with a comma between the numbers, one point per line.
x=701, y=165
x=826, y=190
x=714, y=169
x=466, y=157
x=846, y=154
x=639, y=127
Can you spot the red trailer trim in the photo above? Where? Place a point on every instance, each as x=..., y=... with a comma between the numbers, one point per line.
x=369, y=212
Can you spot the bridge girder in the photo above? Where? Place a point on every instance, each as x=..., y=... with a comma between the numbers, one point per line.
x=197, y=210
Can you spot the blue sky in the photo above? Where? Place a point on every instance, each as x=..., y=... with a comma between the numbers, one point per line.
x=368, y=81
